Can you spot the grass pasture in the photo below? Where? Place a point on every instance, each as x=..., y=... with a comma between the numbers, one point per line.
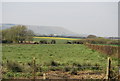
x=45, y=53
x=61, y=53
x=70, y=58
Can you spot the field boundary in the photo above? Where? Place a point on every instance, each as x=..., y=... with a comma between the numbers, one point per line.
x=106, y=49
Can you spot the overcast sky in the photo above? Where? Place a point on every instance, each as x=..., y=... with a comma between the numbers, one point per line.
x=99, y=18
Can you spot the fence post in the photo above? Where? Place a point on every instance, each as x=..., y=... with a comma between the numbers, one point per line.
x=44, y=76
x=108, y=74
x=34, y=69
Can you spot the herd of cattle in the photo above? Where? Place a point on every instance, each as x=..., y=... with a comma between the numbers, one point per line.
x=40, y=42
x=49, y=42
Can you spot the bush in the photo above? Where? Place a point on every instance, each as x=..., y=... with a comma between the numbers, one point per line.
x=97, y=41
x=106, y=49
x=14, y=66
x=92, y=41
x=54, y=63
x=10, y=74
x=115, y=42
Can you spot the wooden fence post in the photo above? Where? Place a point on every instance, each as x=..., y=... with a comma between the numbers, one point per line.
x=44, y=76
x=34, y=69
x=108, y=74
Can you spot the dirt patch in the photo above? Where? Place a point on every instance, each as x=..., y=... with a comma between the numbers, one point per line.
x=67, y=75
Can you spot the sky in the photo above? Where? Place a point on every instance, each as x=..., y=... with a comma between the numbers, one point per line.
x=60, y=0
x=97, y=18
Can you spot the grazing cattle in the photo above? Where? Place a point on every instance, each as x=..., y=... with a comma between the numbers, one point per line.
x=68, y=42
x=77, y=42
x=74, y=42
x=43, y=42
x=53, y=42
x=36, y=43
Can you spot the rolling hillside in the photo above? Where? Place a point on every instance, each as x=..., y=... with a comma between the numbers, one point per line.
x=46, y=30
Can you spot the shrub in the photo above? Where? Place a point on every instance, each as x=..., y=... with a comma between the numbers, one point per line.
x=106, y=49
x=10, y=74
x=115, y=42
x=97, y=41
x=14, y=66
x=54, y=63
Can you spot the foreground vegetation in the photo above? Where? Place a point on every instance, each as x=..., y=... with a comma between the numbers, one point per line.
x=18, y=59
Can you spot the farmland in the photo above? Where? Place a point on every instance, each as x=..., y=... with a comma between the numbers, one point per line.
x=46, y=53
x=50, y=55
x=59, y=40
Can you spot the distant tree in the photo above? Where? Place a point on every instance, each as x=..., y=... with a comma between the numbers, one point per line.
x=51, y=35
x=29, y=35
x=17, y=33
x=91, y=36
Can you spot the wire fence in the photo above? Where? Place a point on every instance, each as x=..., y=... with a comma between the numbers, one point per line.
x=109, y=73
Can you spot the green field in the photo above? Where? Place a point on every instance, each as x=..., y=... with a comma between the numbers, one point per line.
x=62, y=53
x=49, y=55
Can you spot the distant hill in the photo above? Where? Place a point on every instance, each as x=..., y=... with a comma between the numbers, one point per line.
x=5, y=26
x=46, y=30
